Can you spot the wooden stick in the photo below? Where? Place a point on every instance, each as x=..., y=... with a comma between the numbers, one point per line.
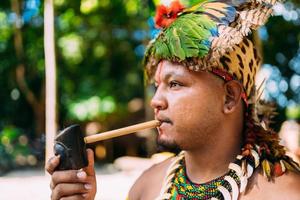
x=121, y=131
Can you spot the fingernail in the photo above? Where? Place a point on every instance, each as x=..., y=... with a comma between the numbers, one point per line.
x=84, y=195
x=88, y=186
x=53, y=160
x=81, y=174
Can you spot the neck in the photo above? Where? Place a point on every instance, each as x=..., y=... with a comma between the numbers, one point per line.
x=209, y=162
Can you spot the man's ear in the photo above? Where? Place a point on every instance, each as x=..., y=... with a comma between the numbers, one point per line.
x=233, y=91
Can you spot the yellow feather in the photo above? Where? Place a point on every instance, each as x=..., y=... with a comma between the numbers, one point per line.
x=266, y=168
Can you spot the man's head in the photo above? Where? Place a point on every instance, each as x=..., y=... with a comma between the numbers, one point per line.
x=193, y=107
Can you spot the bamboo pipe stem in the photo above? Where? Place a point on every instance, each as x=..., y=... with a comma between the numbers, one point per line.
x=121, y=131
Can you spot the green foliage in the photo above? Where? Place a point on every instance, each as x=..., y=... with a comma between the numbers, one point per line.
x=281, y=50
x=92, y=108
x=99, y=52
x=293, y=112
x=98, y=55
x=14, y=150
x=5, y=30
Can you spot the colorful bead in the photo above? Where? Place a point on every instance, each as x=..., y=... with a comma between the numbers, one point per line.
x=183, y=188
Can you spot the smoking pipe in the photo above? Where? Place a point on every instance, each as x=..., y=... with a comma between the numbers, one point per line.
x=70, y=143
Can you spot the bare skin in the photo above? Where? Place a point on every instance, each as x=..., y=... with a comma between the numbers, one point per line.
x=201, y=114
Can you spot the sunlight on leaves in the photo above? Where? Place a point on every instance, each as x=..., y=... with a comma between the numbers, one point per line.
x=71, y=46
x=59, y=2
x=65, y=19
x=5, y=30
x=92, y=108
x=87, y=6
x=131, y=7
x=293, y=112
x=99, y=50
x=104, y=3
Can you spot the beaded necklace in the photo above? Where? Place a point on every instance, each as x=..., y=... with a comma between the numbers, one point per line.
x=177, y=186
x=183, y=188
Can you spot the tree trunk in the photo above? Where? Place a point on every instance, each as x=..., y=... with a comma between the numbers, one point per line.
x=49, y=46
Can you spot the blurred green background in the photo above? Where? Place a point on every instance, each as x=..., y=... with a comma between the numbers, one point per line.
x=99, y=48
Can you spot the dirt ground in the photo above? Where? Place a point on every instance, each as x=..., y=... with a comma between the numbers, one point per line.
x=113, y=180
x=33, y=184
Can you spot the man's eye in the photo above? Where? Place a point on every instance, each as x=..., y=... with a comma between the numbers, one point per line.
x=155, y=86
x=173, y=84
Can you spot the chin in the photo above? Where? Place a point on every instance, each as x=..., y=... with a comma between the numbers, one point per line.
x=167, y=144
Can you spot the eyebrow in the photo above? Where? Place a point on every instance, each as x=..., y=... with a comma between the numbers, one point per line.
x=169, y=75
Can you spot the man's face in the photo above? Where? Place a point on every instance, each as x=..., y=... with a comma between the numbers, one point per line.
x=189, y=105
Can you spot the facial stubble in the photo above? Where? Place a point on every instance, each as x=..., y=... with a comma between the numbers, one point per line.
x=167, y=145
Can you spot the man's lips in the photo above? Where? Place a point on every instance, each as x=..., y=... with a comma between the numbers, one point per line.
x=164, y=120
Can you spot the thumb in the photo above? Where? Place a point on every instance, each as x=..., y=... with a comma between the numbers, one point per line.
x=52, y=164
x=90, y=171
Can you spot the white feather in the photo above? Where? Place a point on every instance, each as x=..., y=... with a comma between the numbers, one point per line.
x=224, y=192
x=244, y=182
x=234, y=186
x=239, y=157
x=256, y=157
x=282, y=166
x=166, y=2
x=169, y=178
x=236, y=168
x=249, y=170
x=165, y=196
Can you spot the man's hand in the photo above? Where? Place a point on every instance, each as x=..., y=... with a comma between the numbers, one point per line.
x=72, y=184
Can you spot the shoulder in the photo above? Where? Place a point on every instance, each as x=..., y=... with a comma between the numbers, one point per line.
x=286, y=186
x=149, y=183
x=288, y=183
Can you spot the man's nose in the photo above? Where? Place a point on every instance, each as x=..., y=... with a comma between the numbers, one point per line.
x=158, y=101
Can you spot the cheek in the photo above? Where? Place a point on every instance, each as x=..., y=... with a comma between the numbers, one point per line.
x=197, y=108
x=184, y=111
x=180, y=106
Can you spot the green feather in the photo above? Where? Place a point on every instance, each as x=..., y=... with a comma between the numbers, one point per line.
x=175, y=44
x=188, y=45
x=203, y=50
x=204, y=21
x=162, y=50
x=194, y=26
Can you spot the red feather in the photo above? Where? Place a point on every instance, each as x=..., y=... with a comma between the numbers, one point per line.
x=277, y=169
x=166, y=15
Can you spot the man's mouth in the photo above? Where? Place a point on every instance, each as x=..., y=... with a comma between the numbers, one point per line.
x=164, y=120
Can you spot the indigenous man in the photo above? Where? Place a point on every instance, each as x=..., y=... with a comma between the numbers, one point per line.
x=204, y=66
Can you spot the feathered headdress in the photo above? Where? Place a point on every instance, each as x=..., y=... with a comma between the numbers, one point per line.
x=210, y=34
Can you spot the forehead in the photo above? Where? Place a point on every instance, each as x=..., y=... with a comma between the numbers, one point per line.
x=167, y=68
